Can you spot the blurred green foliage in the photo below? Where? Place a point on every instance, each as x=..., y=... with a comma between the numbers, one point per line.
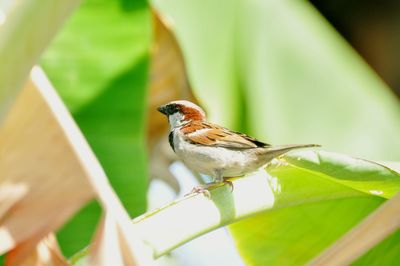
x=279, y=71
x=98, y=64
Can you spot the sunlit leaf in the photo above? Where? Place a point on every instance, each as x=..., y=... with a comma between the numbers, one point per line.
x=10, y=194
x=59, y=175
x=22, y=20
x=359, y=174
x=115, y=244
x=45, y=161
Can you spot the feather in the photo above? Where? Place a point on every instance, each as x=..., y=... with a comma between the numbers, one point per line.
x=203, y=133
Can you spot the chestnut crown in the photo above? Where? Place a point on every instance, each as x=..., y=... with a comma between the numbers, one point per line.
x=186, y=109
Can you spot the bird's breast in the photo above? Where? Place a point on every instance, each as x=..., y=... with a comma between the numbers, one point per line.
x=206, y=159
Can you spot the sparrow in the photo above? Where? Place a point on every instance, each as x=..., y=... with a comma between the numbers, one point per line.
x=213, y=150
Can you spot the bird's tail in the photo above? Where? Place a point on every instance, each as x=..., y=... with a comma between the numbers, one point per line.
x=275, y=151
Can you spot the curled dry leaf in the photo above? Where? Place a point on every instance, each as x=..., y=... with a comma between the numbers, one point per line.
x=168, y=77
x=168, y=82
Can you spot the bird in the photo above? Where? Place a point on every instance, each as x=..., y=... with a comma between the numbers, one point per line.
x=214, y=150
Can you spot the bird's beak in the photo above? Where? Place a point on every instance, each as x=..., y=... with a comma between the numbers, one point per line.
x=162, y=109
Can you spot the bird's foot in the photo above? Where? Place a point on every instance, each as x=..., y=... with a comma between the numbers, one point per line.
x=201, y=189
x=204, y=189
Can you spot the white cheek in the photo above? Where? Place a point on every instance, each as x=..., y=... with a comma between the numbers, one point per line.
x=176, y=119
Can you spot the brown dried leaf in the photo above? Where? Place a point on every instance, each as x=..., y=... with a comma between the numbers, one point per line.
x=44, y=160
x=10, y=194
x=168, y=77
x=47, y=173
x=168, y=82
x=47, y=253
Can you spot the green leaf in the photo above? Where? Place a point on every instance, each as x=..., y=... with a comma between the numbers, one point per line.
x=288, y=192
x=302, y=211
x=389, y=247
x=294, y=235
x=77, y=233
x=362, y=175
x=98, y=64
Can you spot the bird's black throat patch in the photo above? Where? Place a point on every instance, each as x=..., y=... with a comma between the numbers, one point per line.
x=171, y=140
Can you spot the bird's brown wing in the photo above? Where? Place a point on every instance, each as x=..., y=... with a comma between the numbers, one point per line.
x=203, y=133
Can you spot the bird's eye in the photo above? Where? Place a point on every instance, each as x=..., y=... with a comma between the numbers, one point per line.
x=173, y=108
x=170, y=109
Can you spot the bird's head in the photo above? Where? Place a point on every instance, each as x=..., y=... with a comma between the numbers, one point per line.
x=182, y=112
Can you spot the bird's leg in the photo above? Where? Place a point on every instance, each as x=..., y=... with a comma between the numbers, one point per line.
x=219, y=179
